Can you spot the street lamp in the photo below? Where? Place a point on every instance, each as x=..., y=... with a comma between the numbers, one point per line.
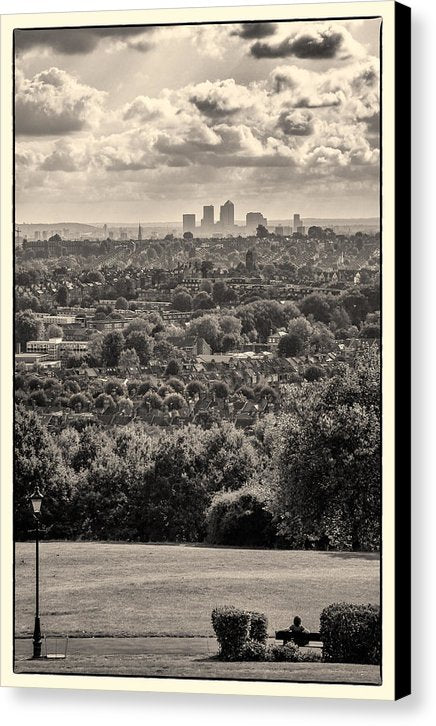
x=36, y=499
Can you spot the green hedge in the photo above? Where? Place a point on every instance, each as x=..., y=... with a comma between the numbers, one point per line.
x=253, y=650
x=235, y=629
x=231, y=627
x=351, y=633
x=258, y=627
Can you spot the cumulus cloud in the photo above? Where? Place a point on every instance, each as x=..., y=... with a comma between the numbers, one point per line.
x=316, y=42
x=54, y=102
x=255, y=30
x=222, y=98
x=80, y=41
x=304, y=124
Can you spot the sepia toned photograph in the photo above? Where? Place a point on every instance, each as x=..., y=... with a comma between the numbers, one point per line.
x=197, y=427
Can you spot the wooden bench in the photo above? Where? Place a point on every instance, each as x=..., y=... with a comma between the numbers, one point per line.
x=300, y=639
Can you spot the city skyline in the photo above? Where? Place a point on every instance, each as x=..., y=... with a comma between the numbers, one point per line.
x=133, y=122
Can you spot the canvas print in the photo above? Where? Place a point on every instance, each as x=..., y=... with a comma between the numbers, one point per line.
x=197, y=483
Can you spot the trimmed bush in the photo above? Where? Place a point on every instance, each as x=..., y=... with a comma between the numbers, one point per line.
x=351, y=633
x=240, y=518
x=281, y=653
x=253, y=650
x=258, y=627
x=231, y=628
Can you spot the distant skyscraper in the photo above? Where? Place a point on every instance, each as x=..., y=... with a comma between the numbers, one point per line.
x=44, y=234
x=252, y=221
x=105, y=231
x=139, y=231
x=189, y=223
x=227, y=214
x=37, y=234
x=297, y=222
x=208, y=216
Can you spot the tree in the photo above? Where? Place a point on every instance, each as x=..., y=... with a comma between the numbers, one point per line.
x=152, y=400
x=182, y=301
x=328, y=461
x=208, y=328
x=262, y=231
x=318, y=306
x=203, y=301
x=356, y=305
x=314, y=373
x=62, y=296
x=173, y=368
x=113, y=344
x=79, y=402
x=206, y=286
x=27, y=327
x=38, y=463
x=121, y=304
x=142, y=344
x=315, y=232
x=54, y=331
x=129, y=359
x=228, y=342
x=290, y=345
x=176, y=384
x=38, y=398
x=174, y=402
x=240, y=518
x=220, y=389
x=188, y=235
x=103, y=401
x=221, y=292
x=194, y=388
x=114, y=388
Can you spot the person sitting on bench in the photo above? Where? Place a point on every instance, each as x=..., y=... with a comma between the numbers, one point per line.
x=297, y=626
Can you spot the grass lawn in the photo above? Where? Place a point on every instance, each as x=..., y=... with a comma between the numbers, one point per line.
x=178, y=666
x=133, y=590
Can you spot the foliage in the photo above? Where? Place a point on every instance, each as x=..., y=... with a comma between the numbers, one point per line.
x=239, y=518
x=283, y=653
x=231, y=627
x=252, y=650
x=39, y=463
x=328, y=462
x=351, y=633
x=27, y=327
x=113, y=344
x=258, y=627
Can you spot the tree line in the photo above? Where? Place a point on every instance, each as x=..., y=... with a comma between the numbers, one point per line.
x=310, y=474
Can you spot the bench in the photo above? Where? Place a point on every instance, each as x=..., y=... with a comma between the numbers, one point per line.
x=300, y=639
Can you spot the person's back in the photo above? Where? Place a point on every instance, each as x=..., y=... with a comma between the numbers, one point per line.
x=297, y=626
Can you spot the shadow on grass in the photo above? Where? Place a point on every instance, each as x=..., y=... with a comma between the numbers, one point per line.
x=354, y=555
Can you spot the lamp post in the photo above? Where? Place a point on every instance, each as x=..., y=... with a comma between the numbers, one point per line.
x=36, y=499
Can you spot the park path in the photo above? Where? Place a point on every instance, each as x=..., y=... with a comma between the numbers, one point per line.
x=123, y=646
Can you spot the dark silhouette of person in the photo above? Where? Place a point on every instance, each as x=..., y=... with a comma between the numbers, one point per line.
x=298, y=628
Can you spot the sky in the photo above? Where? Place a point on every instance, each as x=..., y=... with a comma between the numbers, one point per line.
x=135, y=122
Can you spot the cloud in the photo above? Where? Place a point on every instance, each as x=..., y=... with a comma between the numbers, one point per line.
x=221, y=98
x=81, y=41
x=315, y=43
x=295, y=123
x=55, y=103
x=255, y=30
x=62, y=158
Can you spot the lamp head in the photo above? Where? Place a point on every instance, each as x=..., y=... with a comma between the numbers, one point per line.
x=36, y=499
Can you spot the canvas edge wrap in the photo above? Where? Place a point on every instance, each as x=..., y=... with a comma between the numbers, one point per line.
x=403, y=616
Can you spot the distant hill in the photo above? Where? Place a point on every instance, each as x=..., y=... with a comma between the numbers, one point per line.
x=75, y=228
